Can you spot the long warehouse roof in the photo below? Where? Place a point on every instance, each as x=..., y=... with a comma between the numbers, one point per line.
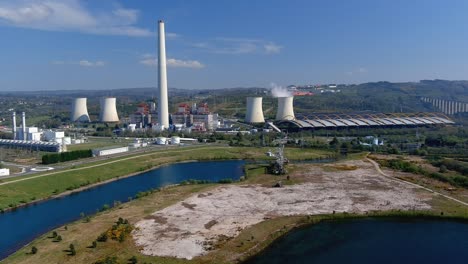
x=368, y=119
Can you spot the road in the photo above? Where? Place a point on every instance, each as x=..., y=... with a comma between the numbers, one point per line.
x=101, y=164
x=377, y=167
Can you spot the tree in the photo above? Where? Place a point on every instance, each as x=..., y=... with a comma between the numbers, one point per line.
x=442, y=169
x=59, y=238
x=72, y=249
x=33, y=250
x=94, y=244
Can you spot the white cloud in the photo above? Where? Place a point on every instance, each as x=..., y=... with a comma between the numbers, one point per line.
x=272, y=48
x=70, y=15
x=151, y=60
x=171, y=35
x=222, y=45
x=184, y=63
x=83, y=63
x=360, y=70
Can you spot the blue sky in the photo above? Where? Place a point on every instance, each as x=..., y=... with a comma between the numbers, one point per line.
x=73, y=44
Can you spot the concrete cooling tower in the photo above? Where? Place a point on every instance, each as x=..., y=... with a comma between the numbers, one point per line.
x=285, y=108
x=79, y=111
x=108, y=110
x=254, y=110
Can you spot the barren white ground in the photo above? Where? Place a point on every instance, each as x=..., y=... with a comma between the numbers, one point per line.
x=184, y=229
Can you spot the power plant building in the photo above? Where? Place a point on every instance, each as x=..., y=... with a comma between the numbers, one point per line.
x=254, y=110
x=79, y=110
x=108, y=112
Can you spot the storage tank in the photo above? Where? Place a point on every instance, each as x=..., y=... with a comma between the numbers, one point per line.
x=108, y=110
x=79, y=110
x=161, y=140
x=285, y=108
x=175, y=140
x=254, y=110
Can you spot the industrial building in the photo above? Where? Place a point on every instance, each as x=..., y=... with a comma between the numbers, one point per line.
x=33, y=145
x=4, y=172
x=198, y=117
x=109, y=151
x=362, y=120
x=142, y=117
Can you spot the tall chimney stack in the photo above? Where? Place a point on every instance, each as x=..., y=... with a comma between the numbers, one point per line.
x=23, y=119
x=14, y=125
x=163, y=111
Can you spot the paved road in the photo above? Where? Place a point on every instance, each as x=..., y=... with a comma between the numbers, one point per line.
x=377, y=167
x=102, y=164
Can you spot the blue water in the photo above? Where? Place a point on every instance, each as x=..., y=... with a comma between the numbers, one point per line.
x=372, y=241
x=19, y=227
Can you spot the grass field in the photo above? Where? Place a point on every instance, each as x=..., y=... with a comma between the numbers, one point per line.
x=15, y=192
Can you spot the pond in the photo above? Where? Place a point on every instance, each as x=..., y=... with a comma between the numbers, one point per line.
x=372, y=240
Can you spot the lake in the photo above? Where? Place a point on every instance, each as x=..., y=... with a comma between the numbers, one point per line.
x=371, y=240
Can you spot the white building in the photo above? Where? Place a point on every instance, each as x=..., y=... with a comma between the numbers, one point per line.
x=109, y=151
x=55, y=136
x=4, y=172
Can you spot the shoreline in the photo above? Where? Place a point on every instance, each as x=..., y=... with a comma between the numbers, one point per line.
x=309, y=220
x=96, y=184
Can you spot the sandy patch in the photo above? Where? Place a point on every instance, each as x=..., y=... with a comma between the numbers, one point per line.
x=191, y=226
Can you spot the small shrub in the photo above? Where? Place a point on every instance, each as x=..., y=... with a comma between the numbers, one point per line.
x=33, y=250
x=133, y=260
x=102, y=237
x=72, y=250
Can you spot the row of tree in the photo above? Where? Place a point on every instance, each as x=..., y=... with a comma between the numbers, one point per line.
x=66, y=156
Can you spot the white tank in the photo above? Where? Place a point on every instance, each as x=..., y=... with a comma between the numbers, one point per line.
x=254, y=110
x=285, y=108
x=79, y=111
x=163, y=110
x=161, y=140
x=108, y=110
x=175, y=140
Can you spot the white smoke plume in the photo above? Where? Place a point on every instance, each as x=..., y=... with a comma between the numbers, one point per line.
x=279, y=91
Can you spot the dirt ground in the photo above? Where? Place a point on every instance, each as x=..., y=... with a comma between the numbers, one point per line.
x=191, y=227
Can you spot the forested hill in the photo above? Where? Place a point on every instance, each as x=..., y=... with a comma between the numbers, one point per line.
x=385, y=97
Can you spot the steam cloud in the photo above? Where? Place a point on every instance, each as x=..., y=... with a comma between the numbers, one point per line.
x=279, y=91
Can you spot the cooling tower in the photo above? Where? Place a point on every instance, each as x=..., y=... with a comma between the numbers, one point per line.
x=108, y=110
x=254, y=110
x=163, y=111
x=285, y=108
x=14, y=125
x=79, y=111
